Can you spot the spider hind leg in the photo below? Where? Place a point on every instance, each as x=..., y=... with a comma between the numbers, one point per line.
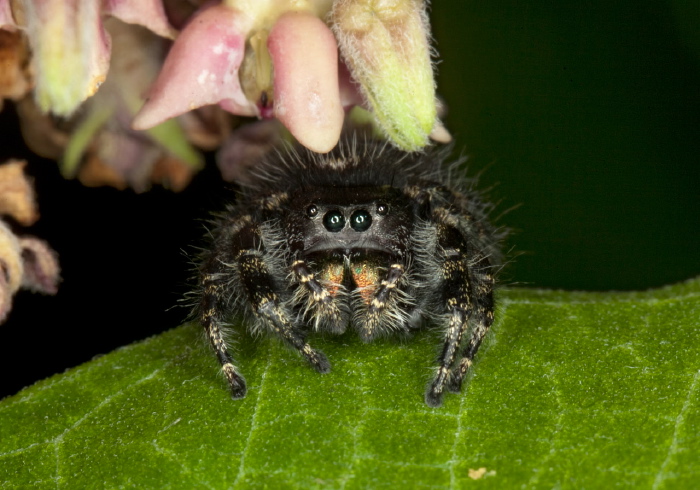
x=482, y=317
x=467, y=288
x=211, y=315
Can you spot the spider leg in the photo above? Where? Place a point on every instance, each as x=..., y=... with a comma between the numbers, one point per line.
x=457, y=301
x=237, y=270
x=482, y=317
x=467, y=282
x=265, y=303
x=319, y=299
x=212, y=310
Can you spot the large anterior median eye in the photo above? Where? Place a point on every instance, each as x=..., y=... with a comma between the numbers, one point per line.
x=360, y=220
x=334, y=221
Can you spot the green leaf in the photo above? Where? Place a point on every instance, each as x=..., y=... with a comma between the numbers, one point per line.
x=571, y=390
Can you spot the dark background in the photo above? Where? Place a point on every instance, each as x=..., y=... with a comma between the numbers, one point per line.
x=585, y=115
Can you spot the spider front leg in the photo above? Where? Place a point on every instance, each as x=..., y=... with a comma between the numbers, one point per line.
x=257, y=281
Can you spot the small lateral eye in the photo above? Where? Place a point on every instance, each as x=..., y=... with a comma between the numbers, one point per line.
x=334, y=221
x=311, y=211
x=382, y=209
x=360, y=220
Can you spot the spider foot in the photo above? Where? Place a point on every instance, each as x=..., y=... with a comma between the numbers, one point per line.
x=238, y=391
x=433, y=396
x=236, y=382
x=454, y=384
x=317, y=359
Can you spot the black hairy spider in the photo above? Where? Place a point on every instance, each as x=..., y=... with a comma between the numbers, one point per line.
x=365, y=236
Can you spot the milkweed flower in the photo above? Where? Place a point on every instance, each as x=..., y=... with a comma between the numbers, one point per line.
x=91, y=64
x=70, y=45
x=279, y=58
x=25, y=262
x=308, y=64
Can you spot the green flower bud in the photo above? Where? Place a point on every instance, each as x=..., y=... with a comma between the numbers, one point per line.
x=385, y=44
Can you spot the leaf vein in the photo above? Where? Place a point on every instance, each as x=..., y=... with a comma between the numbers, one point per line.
x=254, y=419
x=600, y=301
x=58, y=440
x=680, y=420
x=22, y=449
x=355, y=430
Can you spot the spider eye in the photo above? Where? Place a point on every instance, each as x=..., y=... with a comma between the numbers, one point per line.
x=382, y=209
x=360, y=220
x=311, y=211
x=334, y=221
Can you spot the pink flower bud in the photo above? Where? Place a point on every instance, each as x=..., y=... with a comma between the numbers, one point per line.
x=201, y=68
x=7, y=21
x=307, y=98
x=146, y=13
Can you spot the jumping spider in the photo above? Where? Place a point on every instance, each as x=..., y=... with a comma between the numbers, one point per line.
x=365, y=236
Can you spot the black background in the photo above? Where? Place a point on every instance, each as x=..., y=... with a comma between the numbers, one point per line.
x=585, y=115
x=123, y=262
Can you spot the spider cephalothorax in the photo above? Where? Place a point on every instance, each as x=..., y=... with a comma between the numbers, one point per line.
x=366, y=237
